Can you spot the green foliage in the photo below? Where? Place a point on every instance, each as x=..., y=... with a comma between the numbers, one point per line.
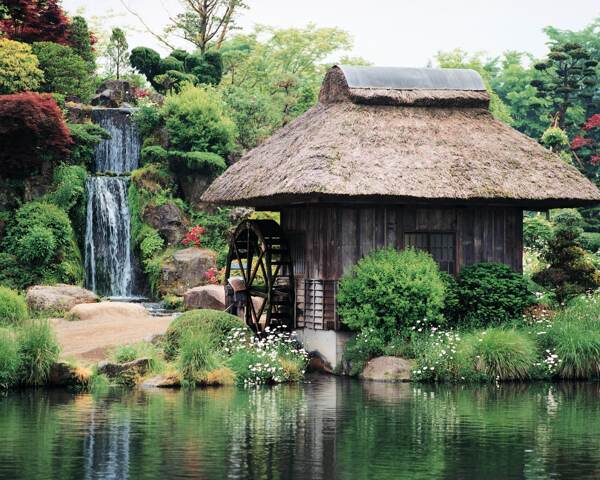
x=147, y=119
x=146, y=61
x=570, y=270
x=197, y=162
x=590, y=241
x=390, y=291
x=555, y=139
x=117, y=53
x=537, y=232
x=491, y=294
x=367, y=344
x=219, y=226
x=134, y=351
x=13, y=308
x=154, y=154
x=173, y=302
x=65, y=72
x=38, y=351
x=196, y=121
x=32, y=223
x=197, y=356
x=214, y=324
x=79, y=39
x=151, y=242
x=86, y=137
x=9, y=359
x=19, y=68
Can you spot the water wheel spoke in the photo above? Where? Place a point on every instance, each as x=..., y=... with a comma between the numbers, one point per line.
x=259, y=262
x=239, y=259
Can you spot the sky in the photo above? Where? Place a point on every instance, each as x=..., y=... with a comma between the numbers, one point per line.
x=386, y=32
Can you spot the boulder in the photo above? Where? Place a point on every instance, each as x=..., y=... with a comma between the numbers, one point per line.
x=185, y=269
x=113, y=94
x=193, y=186
x=58, y=298
x=210, y=297
x=162, y=381
x=113, y=370
x=388, y=369
x=117, y=311
x=168, y=220
x=63, y=374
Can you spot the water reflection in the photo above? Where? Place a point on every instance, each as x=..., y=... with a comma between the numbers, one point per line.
x=329, y=428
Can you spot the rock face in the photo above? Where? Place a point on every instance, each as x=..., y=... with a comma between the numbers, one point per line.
x=62, y=374
x=162, y=381
x=58, y=298
x=168, y=220
x=113, y=94
x=210, y=297
x=388, y=369
x=116, y=370
x=185, y=269
x=193, y=186
x=120, y=311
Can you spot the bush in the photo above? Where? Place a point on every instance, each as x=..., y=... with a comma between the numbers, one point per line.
x=537, y=232
x=9, y=359
x=65, y=72
x=367, y=344
x=86, y=137
x=19, y=68
x=590, y=241
x=491, y=294
x=38, y=351
x=13, y=308
x=200, y=162
x=154, y=154
x=37, y=246
x=214, y=324
x=389, y=291
x=32, y=131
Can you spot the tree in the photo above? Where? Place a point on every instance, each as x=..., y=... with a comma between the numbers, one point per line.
x=147, y=62
x=81, y=40
x=117, y=52
x=568, y=78
x=35, y=21
x=19, y=68
x=32, y=130
x=65, y=72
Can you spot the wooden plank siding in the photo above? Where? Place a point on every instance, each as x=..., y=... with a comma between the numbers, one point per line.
x=332, y=239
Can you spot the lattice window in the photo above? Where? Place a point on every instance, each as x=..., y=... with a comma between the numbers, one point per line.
x=442, y=247
x=316, y=304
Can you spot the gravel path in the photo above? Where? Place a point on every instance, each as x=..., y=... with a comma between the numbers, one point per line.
x=90, y=340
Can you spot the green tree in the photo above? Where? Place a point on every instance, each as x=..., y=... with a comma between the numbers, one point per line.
x=80, y=41
x=19, y=68
x=117, y=52
x=65, y=72
x=568, y=79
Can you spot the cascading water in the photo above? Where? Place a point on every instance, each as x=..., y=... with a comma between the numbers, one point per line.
x=109, y=262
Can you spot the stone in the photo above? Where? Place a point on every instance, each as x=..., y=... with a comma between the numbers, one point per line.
x=388, y=369
x=58, y=298
x=63, y=374
x=317, y=363
x=113, y=94
x=139, y=366
x=168, y=220
x=162, y=381
x=211, y=297
x=185, y=269
x=193, y=186
x=116, y=311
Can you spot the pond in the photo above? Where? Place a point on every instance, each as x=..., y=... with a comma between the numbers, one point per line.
x=326, y=428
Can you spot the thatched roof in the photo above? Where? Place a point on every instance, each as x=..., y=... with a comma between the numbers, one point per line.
x=401, y=136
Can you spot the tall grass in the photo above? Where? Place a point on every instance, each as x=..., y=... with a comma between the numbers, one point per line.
x=13, y=308
x=197, y=357
x=134, y=351
x=38, y=350
x=9, y=359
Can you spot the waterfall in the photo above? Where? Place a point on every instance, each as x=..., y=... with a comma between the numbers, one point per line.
x=109, y=262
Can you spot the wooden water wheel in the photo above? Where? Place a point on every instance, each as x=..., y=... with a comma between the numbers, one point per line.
x=259, y=276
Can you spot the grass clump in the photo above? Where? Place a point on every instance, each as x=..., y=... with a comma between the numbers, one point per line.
x=134, y=351
x=9, y=359
x=38, y=351
x=197, y=357
x=13, y=308
x=214, y=324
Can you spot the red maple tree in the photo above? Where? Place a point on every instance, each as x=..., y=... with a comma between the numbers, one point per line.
x=32, y=130
x=35, y=21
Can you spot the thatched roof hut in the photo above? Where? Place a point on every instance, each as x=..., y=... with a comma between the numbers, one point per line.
x=401, y=135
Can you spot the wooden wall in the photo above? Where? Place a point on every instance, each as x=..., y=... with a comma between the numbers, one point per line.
x=328, y=241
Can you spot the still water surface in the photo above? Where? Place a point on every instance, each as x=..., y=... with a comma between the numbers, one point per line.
x=327, y=429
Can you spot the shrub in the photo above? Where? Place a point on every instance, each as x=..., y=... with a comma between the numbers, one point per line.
x=9, y=359
x=216, y=325
x=218, y=226
x=501, y=354
x=38, y=351
x=65, y=72
x=86, y=137
x=570, y=270
x=198, y=162
x=146, y=61
x=367, y=344
x=173, y=302
x=13, y=308
x=32, y=131
x=537, y=232
x=389, y=291
x=491, y=294
x=19, y=68
x=590, y=241
x=37, y=246
x=154, y=154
